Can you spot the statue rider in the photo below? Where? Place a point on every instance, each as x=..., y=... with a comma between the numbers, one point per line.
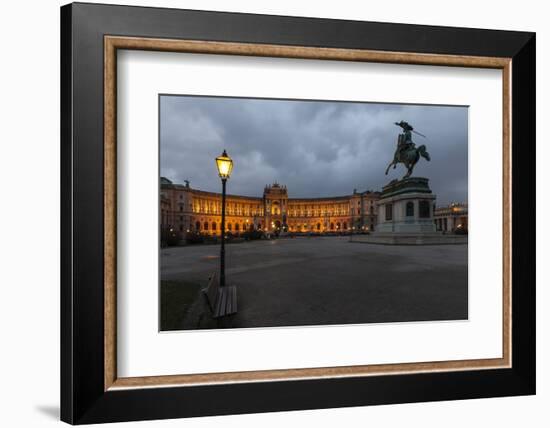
x=406, y=152
x=404, y=140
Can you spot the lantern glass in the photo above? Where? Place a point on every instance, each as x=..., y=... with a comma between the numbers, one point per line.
x=225, y=165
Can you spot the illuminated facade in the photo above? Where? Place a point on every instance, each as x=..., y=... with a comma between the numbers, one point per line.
x=185, y=209
x=451, y=218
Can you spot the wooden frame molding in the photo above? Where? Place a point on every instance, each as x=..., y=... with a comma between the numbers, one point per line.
x=113, y=43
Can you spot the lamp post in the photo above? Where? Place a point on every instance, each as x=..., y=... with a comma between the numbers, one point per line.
x=225, y=165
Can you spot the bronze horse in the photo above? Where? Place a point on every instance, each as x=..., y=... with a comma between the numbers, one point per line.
x=408, y=157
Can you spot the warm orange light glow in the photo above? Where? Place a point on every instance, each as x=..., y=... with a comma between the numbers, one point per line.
x=225, y=165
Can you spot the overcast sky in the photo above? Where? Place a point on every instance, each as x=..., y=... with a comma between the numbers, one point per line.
x=314, y=148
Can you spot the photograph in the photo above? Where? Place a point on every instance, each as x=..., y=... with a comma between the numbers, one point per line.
x=290, y=212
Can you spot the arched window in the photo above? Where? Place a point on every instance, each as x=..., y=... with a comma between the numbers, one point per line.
x=345, y=225
x=424, y=209
x=213, y=225
x=198, y=226
x=389, y=211
x=338, y=225
x=331, y=226
x=205, y=225
x=410, y=209
x=318, y=226
x=229, y=226
x=237, y=227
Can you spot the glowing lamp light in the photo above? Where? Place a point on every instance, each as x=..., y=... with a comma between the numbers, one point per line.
x=225, y=165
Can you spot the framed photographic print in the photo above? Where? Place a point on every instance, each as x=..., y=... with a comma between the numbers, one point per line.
x=266, y=213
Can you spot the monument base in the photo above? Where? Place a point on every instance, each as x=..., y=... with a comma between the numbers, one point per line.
x=406, y=207
x=434, y=238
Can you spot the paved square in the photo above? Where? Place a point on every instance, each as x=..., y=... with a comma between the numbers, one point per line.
x=328, y=280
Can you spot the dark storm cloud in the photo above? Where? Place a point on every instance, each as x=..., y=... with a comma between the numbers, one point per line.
x=314, y=148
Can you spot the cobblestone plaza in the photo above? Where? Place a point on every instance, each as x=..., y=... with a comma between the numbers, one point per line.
x=327, y=280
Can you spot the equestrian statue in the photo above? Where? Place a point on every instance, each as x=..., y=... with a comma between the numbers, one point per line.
x=407, y=153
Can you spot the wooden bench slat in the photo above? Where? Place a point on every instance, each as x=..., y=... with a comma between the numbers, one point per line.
x=223, y=309
x=211, y=291
x=234, y=300
x=218, y=309
x=229, y=302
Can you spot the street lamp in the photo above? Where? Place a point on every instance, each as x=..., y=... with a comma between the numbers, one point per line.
x=225, y=166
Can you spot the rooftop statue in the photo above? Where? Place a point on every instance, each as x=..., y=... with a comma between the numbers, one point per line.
x=406, y=152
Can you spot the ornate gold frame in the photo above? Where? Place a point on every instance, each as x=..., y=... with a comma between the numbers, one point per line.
x=113, y=43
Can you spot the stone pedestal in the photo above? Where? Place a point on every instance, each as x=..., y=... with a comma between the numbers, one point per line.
x=406, y=207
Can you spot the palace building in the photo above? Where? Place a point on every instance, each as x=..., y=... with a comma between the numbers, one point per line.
x=185, y=209
x=451, y=218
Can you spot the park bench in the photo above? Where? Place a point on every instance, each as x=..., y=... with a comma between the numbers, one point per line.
x=222, y=300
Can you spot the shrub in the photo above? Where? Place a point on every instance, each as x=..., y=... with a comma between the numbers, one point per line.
x=252, y=235
x=169, y=237
x=194, y=238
